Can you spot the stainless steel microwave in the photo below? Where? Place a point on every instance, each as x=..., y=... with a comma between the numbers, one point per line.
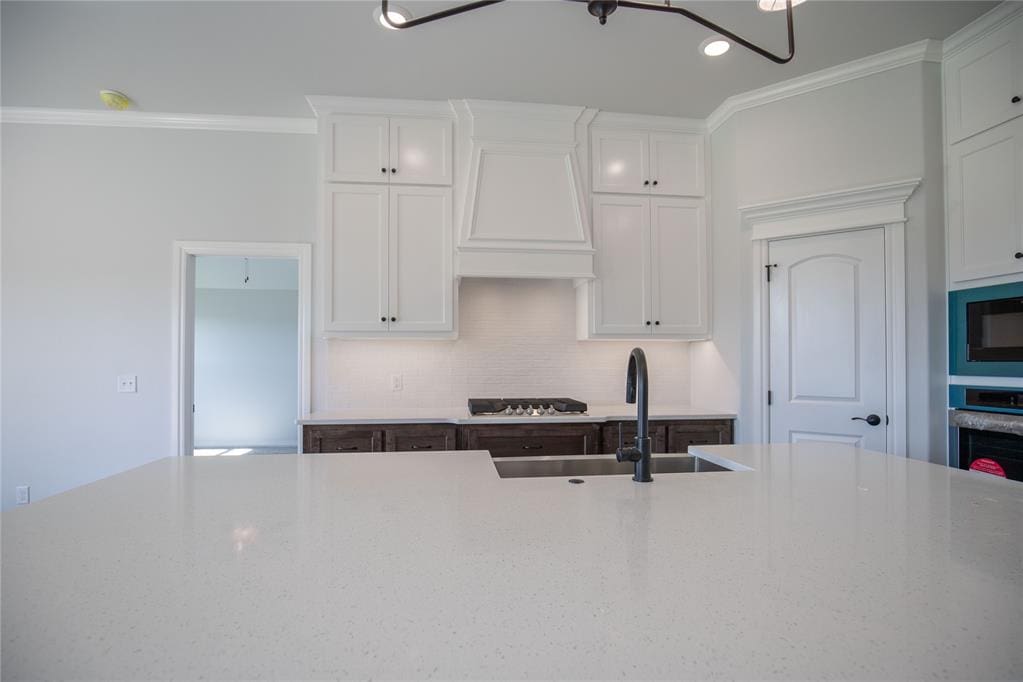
x=986, y=331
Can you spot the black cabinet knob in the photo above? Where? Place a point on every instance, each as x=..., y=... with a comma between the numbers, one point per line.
x=383, y=319
x=648, y=323
x=394, y=170
x=1016, y=100
x=657, y=322
x=383, y=170
x=655, y=183
x=646, y=182
x=1018, y=254
x=394, y=319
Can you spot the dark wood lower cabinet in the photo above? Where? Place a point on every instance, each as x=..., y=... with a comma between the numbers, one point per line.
x=512, y=440
x=527, y=440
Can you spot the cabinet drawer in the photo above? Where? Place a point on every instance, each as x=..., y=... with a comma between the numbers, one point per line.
x=682, y=435
x=342, y=439
x=514, y=440
x=609, y=436
x=421, y=437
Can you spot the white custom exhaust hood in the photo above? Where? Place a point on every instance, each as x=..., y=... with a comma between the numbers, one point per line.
x=524, y=209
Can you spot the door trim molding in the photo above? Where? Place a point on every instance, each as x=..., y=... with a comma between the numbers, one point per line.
x=182, y=332
x=874, y=206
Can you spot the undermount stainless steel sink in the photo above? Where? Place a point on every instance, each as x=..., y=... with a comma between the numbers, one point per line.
x=597, y=465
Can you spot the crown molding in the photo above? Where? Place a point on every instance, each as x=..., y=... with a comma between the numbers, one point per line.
x=668, y=124
x=146, y=119
x=980, y=27
x=921, y=51
x=880, y=204
x=329, y=104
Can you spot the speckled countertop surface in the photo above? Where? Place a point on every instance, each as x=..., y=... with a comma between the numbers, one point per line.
x=460, y=415
x=821, y=562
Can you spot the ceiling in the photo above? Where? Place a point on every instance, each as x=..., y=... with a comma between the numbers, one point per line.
x=262, y=58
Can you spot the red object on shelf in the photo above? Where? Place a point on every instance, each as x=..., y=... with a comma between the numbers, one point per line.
x=988, y=466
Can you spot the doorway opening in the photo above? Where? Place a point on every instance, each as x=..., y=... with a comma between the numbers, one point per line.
x=242, y=347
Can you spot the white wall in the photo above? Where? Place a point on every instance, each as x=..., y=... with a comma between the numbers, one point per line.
x=516, y=339
x=874, y=129
x=89, y=215
x=246, y=353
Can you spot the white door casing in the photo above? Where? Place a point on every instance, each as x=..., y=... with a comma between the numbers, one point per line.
x=827, y=338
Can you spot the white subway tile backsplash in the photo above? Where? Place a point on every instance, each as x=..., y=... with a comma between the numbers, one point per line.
x=516, y=339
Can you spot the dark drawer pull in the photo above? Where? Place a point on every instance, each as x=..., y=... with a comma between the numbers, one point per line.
x=348, y=449
x=420, y=447
x=532, y=447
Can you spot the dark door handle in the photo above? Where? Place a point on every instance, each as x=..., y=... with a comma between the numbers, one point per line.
x=532, y=447
x=1016, y=100
x=1018, y=255
x=871, y=419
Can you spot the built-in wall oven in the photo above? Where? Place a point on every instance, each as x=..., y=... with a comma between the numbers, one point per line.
x=987, y=430
x=986, y=331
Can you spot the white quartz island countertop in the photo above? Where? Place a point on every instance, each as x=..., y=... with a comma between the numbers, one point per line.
x=817, y=561
x=460, y=415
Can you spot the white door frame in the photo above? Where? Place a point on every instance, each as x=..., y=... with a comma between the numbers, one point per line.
x=873, y=206
x=183, y=337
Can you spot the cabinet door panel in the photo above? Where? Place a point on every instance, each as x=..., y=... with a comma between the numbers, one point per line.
x=523, y=440
x=679, y=251
x=982, y=81
x=621, y=161
x=683, y=434
x=609, y=436
x=420, y=151
x=621, y=295
x=419, y=437
x=342, y=439
x=676, y=164
x=985, y=206
x=355, y=253
x=356, y=148
x=420, y=259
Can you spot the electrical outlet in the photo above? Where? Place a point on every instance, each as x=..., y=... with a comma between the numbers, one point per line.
x=397, y=382
x=127, y=383
x=21, y=494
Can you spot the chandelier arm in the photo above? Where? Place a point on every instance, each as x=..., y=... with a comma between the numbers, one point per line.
x=443, y=14
x=724, y=31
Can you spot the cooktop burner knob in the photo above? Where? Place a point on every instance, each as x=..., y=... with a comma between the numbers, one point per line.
x=550, y=409
x=509, y=410
x=518, y=409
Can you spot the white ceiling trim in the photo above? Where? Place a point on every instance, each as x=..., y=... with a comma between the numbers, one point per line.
x=964, y=37
x=146, y=119
x=921, y=51
x=329, y=104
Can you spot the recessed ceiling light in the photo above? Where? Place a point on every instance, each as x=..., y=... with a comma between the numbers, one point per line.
x=776, y=5
x=397, y=15
x=715, y=47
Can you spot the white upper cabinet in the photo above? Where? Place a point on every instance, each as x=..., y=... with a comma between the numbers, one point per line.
x=356, y=148
x=420, y=151
x=676, y=164
x=396, y=150
x=985, y=204
x=678, y=242
x=419, y=262
x=984, y=82
x=388, y=261
x=355, y=258
x=638, y=162
x=621, y=293
x=652, y=270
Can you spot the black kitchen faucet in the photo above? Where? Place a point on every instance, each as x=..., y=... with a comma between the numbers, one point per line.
x=636, y=382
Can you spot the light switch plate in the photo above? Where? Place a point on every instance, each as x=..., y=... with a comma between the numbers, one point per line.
x=127, y=383
x=21, y=494
x=397, y=382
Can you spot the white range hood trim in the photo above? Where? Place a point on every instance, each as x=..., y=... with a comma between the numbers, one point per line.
x=513, y=133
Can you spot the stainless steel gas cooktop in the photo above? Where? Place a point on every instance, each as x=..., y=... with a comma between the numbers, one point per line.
x=525, y=407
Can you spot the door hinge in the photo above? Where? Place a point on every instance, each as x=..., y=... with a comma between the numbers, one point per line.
x=768, y=397
x=767, y=268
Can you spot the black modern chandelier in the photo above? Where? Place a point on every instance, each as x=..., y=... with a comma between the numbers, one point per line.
x=602, y=9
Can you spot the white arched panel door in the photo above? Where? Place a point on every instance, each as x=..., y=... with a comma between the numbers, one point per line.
x=828, y=339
